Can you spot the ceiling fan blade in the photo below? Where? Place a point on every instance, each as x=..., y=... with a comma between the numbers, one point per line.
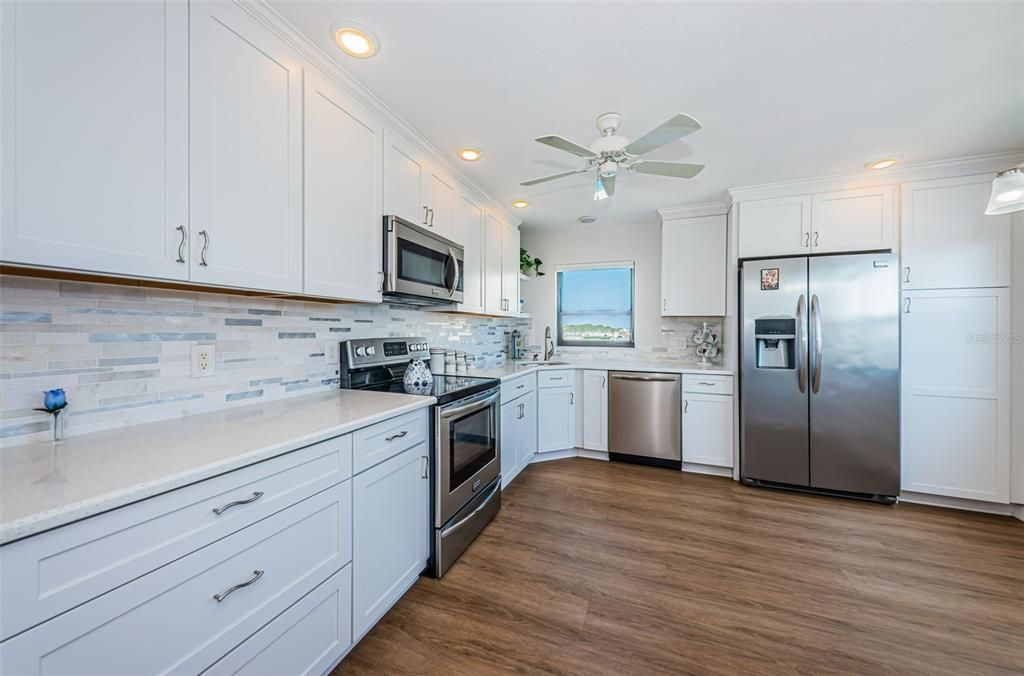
x=566, y=145
x=545, y=179
x=676, y=128
x=609, y=184
x=671, y=169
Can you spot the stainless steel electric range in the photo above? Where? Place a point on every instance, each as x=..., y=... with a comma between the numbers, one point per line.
x=466, y=448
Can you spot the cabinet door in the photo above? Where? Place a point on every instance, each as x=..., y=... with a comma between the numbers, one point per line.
x=595, y=410
x=852, y=220
x=440, y=202
x=948, y=242
x=245, y=152
x=527, y=429
x=510, y=270
x=342, y=194
x=775, y=227
x=509, y=441
x=389, y=550
x=494, y=232
x=95, y=137
x=404, y=174
x=556, y=419
x=693, y=259
x=956, y=393
x=707, y=429
x=469, y=232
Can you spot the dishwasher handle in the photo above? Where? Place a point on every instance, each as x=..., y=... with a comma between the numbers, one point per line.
x=648, y=379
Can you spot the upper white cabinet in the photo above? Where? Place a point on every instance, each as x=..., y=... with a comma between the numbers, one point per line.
x=775, y=227
x=510, y=269
x=440, y=202
x=494, y=233
x=955, y=381
x=852, y=220
x=595, y=410
x=95, y=138
x=948, y=241
x=404, y=170
x=245, y=152
x=469, y=231
x=693, y=266
x=342, y=194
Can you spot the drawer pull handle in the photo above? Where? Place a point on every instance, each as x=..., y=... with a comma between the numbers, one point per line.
x=256, y=574
x=519, y=387
x=396, y=436
x=704, y=382
x=255, y=496
x=554, y=377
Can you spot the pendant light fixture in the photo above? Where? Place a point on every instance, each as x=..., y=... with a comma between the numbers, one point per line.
x=1007, y=192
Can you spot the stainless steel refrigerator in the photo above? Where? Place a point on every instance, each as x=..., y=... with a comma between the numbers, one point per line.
x=819, y=374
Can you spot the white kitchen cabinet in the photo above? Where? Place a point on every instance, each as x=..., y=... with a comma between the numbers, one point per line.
x=860, y=219
x=518, y=435
x=494, y=235
x=440, y=202
x=510, y=269
x=527, y=435
x=95, y=107
x=693, y=260
x=556, y=418
x=388, y=534
x=707, y=429
x=245, y=182
x=775, y=227
x=404, y=173
x=947, y=240
x=595, y=410
x=342, y=194
x=956, y=393
x=469, y=232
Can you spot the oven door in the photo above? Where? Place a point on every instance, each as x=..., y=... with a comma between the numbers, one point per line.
x=468, y=451
x=421, y=263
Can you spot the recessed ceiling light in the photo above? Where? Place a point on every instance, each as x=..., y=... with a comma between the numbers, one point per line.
x=471, y=154
x=520, y=204
x=355, y=40
x=587, y=219
x=884, y=163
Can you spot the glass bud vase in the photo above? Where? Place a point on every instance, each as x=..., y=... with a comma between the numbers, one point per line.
x=58, y=425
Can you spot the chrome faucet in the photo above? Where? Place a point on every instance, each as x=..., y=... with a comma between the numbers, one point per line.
x=549, y=352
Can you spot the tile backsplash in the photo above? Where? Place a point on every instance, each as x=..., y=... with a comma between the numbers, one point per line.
x=674, y=345
x=122, y=352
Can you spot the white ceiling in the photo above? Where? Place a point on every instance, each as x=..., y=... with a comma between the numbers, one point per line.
x=784, y=90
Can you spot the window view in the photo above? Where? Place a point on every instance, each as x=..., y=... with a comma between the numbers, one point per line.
x=595, y=306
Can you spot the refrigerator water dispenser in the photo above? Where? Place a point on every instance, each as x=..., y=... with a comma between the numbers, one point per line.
x=775, y=342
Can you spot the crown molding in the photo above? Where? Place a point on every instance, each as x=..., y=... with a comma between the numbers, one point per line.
x=320, y=59
x=921, y=171
x=696, y=210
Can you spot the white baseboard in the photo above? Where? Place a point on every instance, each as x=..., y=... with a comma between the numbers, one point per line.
x=1018, y=511
x=959, y=503
x=554, y=455
x=593, y=455
x=707, y=469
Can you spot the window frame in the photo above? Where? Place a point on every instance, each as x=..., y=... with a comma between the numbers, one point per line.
x=560, y=341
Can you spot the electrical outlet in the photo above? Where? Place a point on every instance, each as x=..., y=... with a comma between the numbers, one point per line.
x=204, y=360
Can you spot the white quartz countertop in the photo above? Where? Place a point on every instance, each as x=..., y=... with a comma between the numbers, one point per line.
x=46, y=485
x=512, y=370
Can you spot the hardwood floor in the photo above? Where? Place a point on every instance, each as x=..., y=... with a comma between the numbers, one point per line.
x=604, y=568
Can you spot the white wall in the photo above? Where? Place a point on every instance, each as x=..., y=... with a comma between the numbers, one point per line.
x=1017, y=374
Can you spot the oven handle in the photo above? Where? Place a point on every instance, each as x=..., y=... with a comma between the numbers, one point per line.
x=470, y=407
x=462, y=522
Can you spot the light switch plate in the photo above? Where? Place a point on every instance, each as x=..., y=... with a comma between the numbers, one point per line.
x=204, y=360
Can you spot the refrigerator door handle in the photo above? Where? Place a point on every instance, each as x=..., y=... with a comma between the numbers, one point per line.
x=801, y=346
x=816, y=364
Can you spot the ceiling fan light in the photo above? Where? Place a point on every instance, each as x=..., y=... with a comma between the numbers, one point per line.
x=1007, y=192
x=599, y=192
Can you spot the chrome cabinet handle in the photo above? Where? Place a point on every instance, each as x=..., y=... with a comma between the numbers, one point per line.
x=431, y=217
x=255, y=496
x=396, y=436
x=906, y=309
x=519, y=387
x=603, y=381
x=572, y=398
x=181, y=244
x=206, y=245
x=686, y=406
x=425, y=212
x=256, y=574
x=807, y=240
x=706, y=383
x=380, y=287
x=426, y=460
x=554, y=377
x=815, y=238
x=907, y=278
x=664, y=304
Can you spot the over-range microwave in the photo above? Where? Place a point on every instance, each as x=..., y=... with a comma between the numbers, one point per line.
x=421, y=267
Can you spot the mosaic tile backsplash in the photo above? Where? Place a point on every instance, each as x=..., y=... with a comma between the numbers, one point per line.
x=122, y=353
x=674, y=346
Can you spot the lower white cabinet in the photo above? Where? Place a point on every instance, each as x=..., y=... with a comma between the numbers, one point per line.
x=518, y=435
x=389, y=533
x=956, y=393
x=556, y=418
x=595, y=410
x=707, y=429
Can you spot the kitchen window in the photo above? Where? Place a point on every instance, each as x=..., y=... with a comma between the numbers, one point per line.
x=595, y=305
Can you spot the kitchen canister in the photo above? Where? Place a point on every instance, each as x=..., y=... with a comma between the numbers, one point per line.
x=437, y=360
x=449, y=361
x=470, y=362
x=460, y=362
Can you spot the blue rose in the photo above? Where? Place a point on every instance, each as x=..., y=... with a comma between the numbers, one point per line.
x=54, y=400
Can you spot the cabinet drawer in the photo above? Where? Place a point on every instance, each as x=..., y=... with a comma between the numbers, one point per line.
x=51, y=572
x=377, y=443
x=305, y=639
x=707, y=384
x=170, y=621
x=560, y=378
x=517, y=387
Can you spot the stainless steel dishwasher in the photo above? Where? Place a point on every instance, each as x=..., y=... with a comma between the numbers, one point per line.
x=645, y=418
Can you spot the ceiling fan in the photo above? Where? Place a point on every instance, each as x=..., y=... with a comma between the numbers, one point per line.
x=611, y=152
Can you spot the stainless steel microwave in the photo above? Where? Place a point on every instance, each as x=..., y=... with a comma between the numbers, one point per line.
x=421, y=267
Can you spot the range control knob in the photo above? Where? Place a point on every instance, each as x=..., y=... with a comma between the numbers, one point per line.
x=360, y=351
x=371, y=350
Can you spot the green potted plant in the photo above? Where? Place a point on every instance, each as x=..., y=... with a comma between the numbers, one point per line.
x=528, y=265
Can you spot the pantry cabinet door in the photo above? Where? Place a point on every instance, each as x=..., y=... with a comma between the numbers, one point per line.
x=404, y=179
x=342, y=194
x=246, y=152
x=853, y=220
x=95, y=136
x=469, y=232
x=947, y=240
x=775, y=227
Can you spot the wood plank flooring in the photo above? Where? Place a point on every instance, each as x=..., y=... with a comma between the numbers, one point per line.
x=604, y=568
